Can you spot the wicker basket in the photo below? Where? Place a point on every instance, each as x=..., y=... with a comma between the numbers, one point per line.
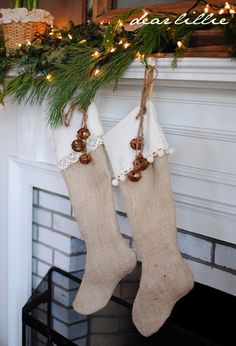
x=16, y=34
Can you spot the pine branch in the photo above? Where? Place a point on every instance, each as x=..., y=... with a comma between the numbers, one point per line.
x=69, y=78
x=110, y=74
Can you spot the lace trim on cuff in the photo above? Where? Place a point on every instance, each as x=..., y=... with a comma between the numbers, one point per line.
x=159, y=152
x=73, y=157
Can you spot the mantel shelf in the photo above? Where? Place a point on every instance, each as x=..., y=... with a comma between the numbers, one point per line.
x=189, y=69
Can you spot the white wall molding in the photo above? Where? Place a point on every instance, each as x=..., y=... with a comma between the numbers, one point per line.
x=200, y=132
x=173, y=95
x=197, y=100
x=188, y=131
x=194, y=69
x=206, y=175
x=206, y=220
x=23, y=176
x=204, y=205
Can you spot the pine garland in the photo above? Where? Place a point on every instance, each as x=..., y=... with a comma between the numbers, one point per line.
x=69, y=66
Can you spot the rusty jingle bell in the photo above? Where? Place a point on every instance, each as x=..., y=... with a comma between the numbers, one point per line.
x=137, y=143
x=85, y=158
x=140, y=163
x=134, y=176
x=78, y=145
x=83, y=133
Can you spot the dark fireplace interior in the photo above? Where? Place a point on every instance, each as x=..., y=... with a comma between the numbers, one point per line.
x=202, y=318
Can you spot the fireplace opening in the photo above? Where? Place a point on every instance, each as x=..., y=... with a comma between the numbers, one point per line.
x=201, y=318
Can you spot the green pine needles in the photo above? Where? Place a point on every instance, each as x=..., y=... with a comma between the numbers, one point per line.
x=68, y=67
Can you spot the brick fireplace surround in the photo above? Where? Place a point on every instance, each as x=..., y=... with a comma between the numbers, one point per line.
x=52, y=246
x=196, y=105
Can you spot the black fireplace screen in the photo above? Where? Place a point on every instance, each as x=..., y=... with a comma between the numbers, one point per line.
x=202, y=318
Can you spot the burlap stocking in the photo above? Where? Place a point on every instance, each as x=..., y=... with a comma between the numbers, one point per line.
x=151, y=212
x=165, y=276
x=108, y=256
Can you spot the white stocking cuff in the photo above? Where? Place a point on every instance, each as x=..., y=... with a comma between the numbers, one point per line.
x=64, y=136
x=117, y=141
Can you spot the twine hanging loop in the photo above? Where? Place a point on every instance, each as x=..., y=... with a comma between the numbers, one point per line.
x=140, y=163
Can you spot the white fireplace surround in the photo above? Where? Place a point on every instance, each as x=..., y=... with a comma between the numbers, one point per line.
x=196, y=104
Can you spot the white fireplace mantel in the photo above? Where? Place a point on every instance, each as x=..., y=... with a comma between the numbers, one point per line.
x=189, y=69
x=196, y=105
